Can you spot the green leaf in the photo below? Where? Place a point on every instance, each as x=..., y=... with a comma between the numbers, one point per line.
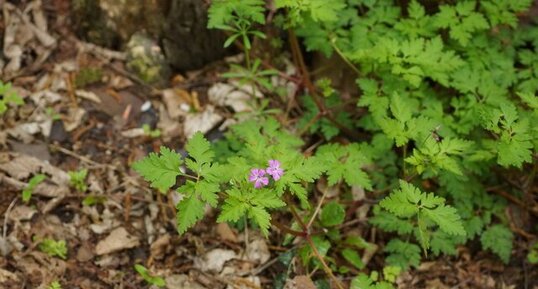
x=200, y=151
x=160, y=169
x=532, y=256
x=402, y=202
x=402, y=254
x=189, y=211
x=144, y=273
x=55, y=285
x=223, y=12
x=447, y=219
x=390, y=223
x=262, y=219
x=461, y=20
x=332, y=214
x=498, y=238
x=54, y=248
x=34, y=181
x=207, y=192
x=267, y=199
x=234, y=207
x=353, y=258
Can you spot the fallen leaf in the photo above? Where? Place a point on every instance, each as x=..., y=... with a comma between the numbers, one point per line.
x=203, y=121
x=117, y=240
x=176, y=101
x=182, y=281
x=300, y=282
x=258, y=252
x=226, y=233
x=224, y=94
x=213, y=261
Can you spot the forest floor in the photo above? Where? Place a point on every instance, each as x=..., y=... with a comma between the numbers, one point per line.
x=72, y=121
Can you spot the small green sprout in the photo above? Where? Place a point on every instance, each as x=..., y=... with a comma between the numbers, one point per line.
x=8, y=95
x=144, y=273
x=93, y=200
x=78, y=180
x=153, y=133
x=55, y=285
x=34, y=181
x=54, y=248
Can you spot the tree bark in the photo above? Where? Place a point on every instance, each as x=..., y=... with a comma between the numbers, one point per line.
x=178, y=25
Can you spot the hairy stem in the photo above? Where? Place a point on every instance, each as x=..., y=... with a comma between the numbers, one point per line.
x=299, y=60
x=344, y=58
x=308, y=238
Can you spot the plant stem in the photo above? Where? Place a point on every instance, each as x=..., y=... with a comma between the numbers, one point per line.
x=403, y=160
x=298, y=59
x=324, y=265
x=318, y=208
x=344, y=58
x=308, y=238
x=287, y=229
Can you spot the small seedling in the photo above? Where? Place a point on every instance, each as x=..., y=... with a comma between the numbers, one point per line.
x=78, y=180
x=34, y=181
x=54, y=248
x=55, y=285
x=93, y=200
x=144, y=273
x=153, y=133
x=8, y=96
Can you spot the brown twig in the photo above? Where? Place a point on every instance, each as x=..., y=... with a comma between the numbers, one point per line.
x=514, y=200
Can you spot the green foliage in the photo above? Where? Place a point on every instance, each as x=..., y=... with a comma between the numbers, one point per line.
x=222, y=12
x=498, y=239
x=532, y=256
x=34, y=181
x=461, y=20
x=410, y=211
x=54, y=248
x=311, y=120
x=364, y=281
x=145, y=274
x=77, y=180
x=8, y=96
x=93, y=200
x=55, y=285
x=332, y=214
x=153, y=133
x=160, y=169
x=447, y=101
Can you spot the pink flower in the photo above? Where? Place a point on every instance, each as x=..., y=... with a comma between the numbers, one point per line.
x=257, y=176
x=274, y=169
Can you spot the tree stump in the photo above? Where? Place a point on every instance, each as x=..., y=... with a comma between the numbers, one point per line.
x=179, y=26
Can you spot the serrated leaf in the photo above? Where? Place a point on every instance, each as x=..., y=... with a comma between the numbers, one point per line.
x=498, y=239
x=447, y=219
x=189, y=211
x=160, y=169
x=402, y=254
x=200, y=150
x=267, y=199
x=390, y=223
x=207, y=192
x=262, y=219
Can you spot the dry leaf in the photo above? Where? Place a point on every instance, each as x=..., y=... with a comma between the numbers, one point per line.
x=117, y=240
